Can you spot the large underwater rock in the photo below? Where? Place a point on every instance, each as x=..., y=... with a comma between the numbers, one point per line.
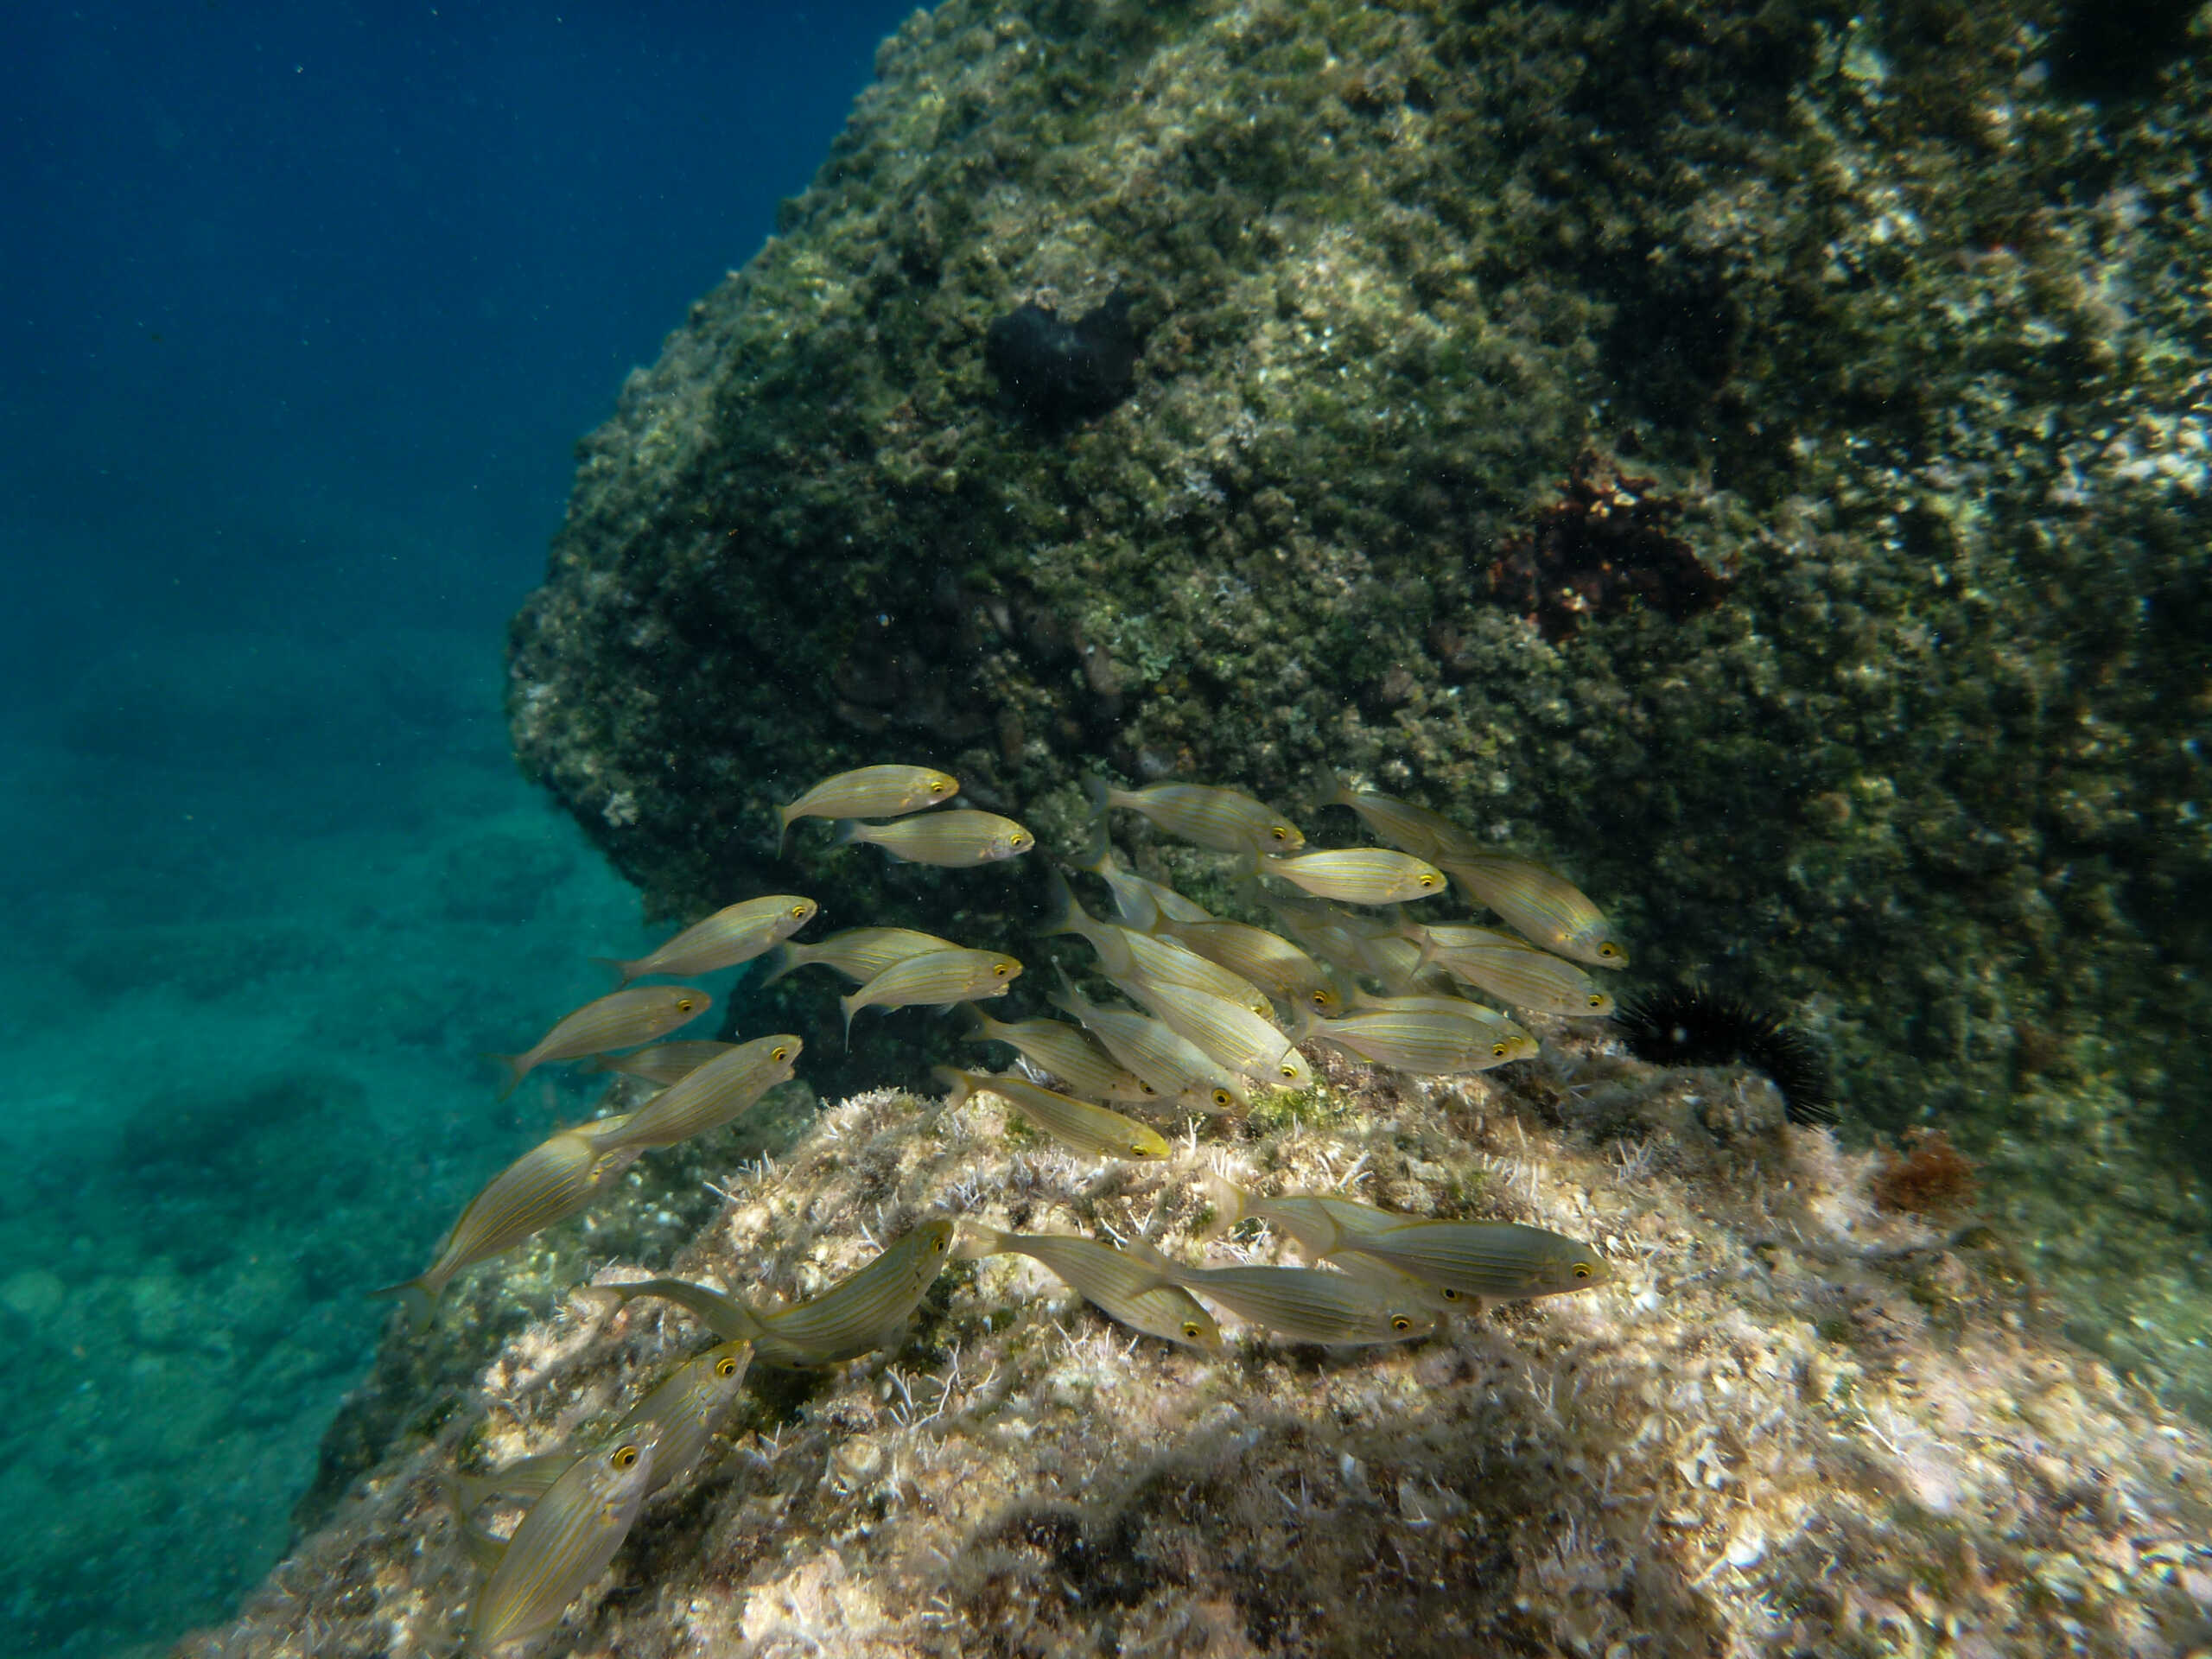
x=1896, y=310
x=1792, y=1424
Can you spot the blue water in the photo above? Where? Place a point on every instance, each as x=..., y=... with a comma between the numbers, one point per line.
x=301, y=310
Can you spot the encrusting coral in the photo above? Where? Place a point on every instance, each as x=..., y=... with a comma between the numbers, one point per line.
x=1792, y=1423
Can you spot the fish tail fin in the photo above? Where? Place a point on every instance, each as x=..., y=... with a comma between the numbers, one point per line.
x=977, y=1241
x=1066, y=999
x=1100, y=794
x=784, y=819
x=851, y=1005
x=774, y=966
x=1345, y=794
x=1098, y=857
x=1138, y=1249
x=624, y=972
x=957, y=1087
x=1230, y=1204
x=846, y=831
x=975, y=1024
x=517, y=1067
x=416, y=1299
x=1063, y=906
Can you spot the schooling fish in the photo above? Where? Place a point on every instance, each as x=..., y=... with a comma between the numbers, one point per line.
x=1223, y=819
x=1140, y=903
x=934, y=978
x=1171, y=1063
x=1488, y=1260
x=1409, y=827
x=1126, y=952
x=864, y=1311
x=1428, y=1041
x=1267, y=960
x=619, y=1020
x=1360, y=875
x=550, y=1183
x=565, y=1543
x=664, y=1063
x=1305, y=1304
x=858, y=953
x=1234, y=1035
x=1541, y=905
x=1077, y=1124
x=728, y=936
x=682, y=1410
x=870, y=793
x=1524, y=975
x=718, y=1093
x=1124, y=1288
x=1067, y=1052
x=952, y=841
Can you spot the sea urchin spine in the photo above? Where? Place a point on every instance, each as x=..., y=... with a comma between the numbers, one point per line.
x=1691, y=1026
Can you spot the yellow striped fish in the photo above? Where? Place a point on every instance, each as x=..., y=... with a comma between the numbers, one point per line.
x=664, y=1063
x=933, y=979
x=1177, y=1068
x=867, y=1310
x=1522, y=974
x=737, y=933
x=858, y=953
x=1124, y=952
x=952, y=841
x=1120, y=1286
x=566, y=1542
x=1267, y=960
x=619, y=1020
x=1140, y=903
x=1409, y=827
x=718, y=1093
x=1306, y=1304
x=1237, y=1037
x=1077, y=1124
x=870, y=793
x=682, y=1410
x=1540, y=904
x=1427, y=1041
x=550, y=1183
x=1067, y=1052
x=1360, y=875
x=1226, y=820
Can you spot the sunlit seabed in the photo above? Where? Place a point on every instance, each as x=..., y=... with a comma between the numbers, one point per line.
x=261, y=937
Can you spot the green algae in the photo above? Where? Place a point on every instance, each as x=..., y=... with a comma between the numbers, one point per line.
x=1898, y=322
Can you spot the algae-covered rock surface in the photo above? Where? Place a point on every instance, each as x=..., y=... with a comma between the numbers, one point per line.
x=1792, y=1422
x=1883, y=327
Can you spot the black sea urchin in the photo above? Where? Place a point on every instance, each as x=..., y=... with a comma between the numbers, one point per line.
x=1694, y=1027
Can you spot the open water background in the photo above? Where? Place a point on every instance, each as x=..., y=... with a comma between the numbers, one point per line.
x=301, y=310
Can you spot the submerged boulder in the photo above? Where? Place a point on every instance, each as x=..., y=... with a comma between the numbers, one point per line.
x=1893, y=321
x=1792, y=1422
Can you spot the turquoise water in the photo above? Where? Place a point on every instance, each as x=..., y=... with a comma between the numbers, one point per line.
x=304, y=313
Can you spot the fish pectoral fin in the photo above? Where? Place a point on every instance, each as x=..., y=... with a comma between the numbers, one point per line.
x=484, y=1548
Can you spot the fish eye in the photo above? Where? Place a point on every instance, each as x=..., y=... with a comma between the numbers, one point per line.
x=726, y=1366
x=1400, y=1322
x=1428, y=881
x=626, y=1458
x=1222, y=1097
x=799, y=909
x=684, y=1005
x=779, y=1052
x=1289, y=1071
x=937, y=1243
x=1450, y=1294
x=1582, y=1270
x=1192, y=1330
x=998, y=970
x=1609, y=951
x=1138, y=1149
x=1500, y=1050
x=1280, y=833
x=1319, y=999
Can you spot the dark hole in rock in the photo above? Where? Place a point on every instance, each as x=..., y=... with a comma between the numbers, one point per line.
x=1059, y=373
